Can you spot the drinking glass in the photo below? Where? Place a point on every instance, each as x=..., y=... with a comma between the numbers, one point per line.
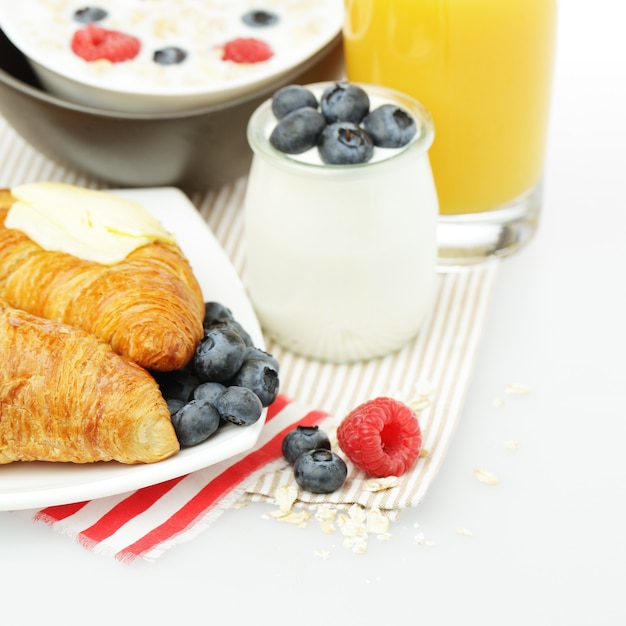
x=483, y=68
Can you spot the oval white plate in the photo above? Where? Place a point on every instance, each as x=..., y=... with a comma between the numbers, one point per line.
x=35, y=485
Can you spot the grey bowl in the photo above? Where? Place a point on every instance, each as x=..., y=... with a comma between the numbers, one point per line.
x=194, y=150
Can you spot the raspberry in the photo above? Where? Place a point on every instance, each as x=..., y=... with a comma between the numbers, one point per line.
x=382, y=437
x=246, y=50
x=93, y=43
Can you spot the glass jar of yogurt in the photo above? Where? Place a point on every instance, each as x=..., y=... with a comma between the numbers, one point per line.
x=341, y=259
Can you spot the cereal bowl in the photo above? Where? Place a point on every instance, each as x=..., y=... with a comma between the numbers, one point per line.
x=194, y=150
x=157, y=56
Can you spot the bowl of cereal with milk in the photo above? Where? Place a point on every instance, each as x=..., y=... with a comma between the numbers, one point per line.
x=194, y=149
x=163, y=56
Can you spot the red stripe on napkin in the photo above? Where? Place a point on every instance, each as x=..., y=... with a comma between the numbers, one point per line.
x=176, y=512
x=207, y=497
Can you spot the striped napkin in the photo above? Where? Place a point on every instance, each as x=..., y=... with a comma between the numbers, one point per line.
x=432, y=373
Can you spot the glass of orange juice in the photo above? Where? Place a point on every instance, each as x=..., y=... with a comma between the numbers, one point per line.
x=483, y=68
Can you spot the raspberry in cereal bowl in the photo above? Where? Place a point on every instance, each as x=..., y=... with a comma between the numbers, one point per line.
x=157, y=56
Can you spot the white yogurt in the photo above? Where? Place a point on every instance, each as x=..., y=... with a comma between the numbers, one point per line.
x=341, y=260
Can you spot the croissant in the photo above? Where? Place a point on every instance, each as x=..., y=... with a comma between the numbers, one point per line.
x=148, y=307
x=67, y=396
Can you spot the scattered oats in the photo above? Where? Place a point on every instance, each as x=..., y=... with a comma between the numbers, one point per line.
x=485, y=477
x=358, y=545
x=421, y=540
x=381, y=484
x=326, y=515
x=322, y=554
x=498, y=402
x=240, y=505
x=285, y=497
x=377, y=522
x=463, y=531
x=424, y=392
x=419, y=404
x=353, y=526
x=517, y=389
x=424, y=453
x=511, y=445
x=357, y=513
x=298, y=518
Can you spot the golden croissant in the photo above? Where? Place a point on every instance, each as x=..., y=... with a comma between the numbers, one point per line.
x=67, y=396
x=148, y=307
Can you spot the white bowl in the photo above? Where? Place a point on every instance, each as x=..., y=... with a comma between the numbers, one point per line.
x=43, y=31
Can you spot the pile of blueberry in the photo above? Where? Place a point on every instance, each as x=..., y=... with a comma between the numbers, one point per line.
x=228, y=381
x=316, y=467
x=340, y=125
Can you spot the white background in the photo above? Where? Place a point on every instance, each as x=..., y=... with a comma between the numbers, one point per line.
x=548, y=544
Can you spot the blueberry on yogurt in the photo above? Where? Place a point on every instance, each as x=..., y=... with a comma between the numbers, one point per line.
x=290, y=98
x=344, y=102
x=298, y=131
x=390, y=126
x=345, y=143
x=89, y=15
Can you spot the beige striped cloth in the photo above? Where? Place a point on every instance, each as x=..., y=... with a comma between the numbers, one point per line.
x=432, y=373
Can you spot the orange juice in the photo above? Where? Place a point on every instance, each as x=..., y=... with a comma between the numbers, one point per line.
x=483, y=68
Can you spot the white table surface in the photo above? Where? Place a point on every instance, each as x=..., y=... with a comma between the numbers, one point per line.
x=548, y=544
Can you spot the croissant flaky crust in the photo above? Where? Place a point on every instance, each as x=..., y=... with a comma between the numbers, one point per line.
x=67, y=396
x=148, y=307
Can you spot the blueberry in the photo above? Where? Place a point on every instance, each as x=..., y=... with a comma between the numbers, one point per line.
x=290, y=98
x=256, y=353
x=88, y=15
x=390, y=126
x=298, y=131
x=344, y=102
x=178, y=384
x=169, y=56
x=219, y=355
x=216, y=312
x=344, y=143
x=239, y=405
x=174, y=404
x=259, y=17
x=258, y=375
x=209, y=391
x=320, y=471
x=304, y=439
x=195, y=422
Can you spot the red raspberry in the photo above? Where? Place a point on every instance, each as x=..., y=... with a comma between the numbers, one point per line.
x=246, y=50
x=382, y=437
x=93, y=43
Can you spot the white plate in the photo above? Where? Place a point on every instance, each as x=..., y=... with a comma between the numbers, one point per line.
x=35, y=485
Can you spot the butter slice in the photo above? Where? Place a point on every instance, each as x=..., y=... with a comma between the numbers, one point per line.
x=92, y=225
